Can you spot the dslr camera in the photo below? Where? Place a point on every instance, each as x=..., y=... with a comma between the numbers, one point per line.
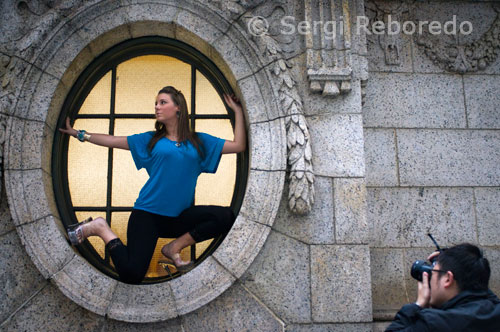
x=421, y=266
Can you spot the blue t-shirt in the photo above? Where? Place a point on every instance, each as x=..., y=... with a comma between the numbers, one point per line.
x=173, y=171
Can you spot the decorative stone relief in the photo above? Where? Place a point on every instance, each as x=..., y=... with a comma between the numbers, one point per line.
x=299, y=154
x=450, y=56
x=389, y=43
x=41, y=17
x=470, y=57
x=329, y=59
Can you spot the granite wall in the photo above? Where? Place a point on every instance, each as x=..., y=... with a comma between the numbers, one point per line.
x=412, y=150
x=431, y=136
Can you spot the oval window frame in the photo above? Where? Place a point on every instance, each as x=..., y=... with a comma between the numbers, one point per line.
x=150, y=45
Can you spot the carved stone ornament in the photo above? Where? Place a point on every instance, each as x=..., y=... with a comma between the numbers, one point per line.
x=299, y=152
x=389, y=43
x=470, y=57
x=328, y=52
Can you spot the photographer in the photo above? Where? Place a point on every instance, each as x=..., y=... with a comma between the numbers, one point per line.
x=453, y=296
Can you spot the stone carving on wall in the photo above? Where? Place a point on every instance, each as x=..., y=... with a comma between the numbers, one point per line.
x=299, y=152
x=450, y=56
x=329, y=54
x=389, y=43
x=470, y=57
x=34, y=21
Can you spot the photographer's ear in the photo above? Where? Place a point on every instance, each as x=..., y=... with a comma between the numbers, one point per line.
x=448, y=279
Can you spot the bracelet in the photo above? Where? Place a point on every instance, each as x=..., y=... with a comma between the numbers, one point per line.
x=82, y=136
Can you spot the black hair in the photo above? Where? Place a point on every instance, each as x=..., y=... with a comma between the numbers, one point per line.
x=470, y=269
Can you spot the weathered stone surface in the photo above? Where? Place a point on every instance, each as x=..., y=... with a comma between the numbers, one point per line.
x=481, y=16
x=263, y=195
x=408, y=101
x=398, y=48
x=267, y=145
x=172, y=325
x=317, y=227
x=235, y=310
x=6, y=223
x=19, y=277
x=388, y=281
x=493, y=256
x=259, y=99
x=380, y=326
x=316, y=103
x=329, y=328
x=488, y=215
x=15, y=71
x=337, y=145
x=38, y=193
x=15, y=194
x=380, y=156
x=153, y=28
x=104, y=27
x=279, y=277
x=26, y=95
x=56, y=103
x=46, y=141
x=482, y=98
x=142, y=303
x=241, y=245
x=402, y=217
x=50, y=311
x=336, y=295
x=85, y=285
x=203, y=26
x=33, y=136
x=349, y=200
x=448, y=158
x=200, y=286
x=231, y=55
x=60, y=50
x=46, y=245
x=13, y=143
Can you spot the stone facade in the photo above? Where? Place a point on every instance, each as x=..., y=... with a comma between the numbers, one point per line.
x=358, y=146
x=431, y=143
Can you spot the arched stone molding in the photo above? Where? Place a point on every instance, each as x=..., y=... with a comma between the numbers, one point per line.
x=45, y=75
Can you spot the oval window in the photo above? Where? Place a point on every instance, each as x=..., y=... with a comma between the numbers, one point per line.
x=115, y=95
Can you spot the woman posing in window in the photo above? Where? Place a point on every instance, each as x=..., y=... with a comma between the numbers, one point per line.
x=174, y=157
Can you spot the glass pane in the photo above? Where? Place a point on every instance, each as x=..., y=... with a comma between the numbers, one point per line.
x=96, y=241
x=127, y=181
x=156, y=270
x=218, y=188
x=202, y=246
x=138, y=81
x=207, y=99
x=88, y=166
x=99, y=99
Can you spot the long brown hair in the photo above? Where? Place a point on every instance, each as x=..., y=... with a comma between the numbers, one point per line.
x=184, y=132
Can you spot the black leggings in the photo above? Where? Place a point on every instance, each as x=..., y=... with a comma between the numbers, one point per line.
x=144, y=229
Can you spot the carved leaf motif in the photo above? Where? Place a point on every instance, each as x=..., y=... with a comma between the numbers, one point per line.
x=464, y=58
x=301, y=190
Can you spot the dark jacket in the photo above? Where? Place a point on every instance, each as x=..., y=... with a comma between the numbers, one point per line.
x=468, y=311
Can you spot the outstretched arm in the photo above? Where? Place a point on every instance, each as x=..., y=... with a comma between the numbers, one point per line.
x=240, y=136
x=109, y=141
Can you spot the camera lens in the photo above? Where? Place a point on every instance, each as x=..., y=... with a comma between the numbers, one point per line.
x=420, y=267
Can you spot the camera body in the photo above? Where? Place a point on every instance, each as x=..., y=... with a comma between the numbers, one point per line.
x=419, y=267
